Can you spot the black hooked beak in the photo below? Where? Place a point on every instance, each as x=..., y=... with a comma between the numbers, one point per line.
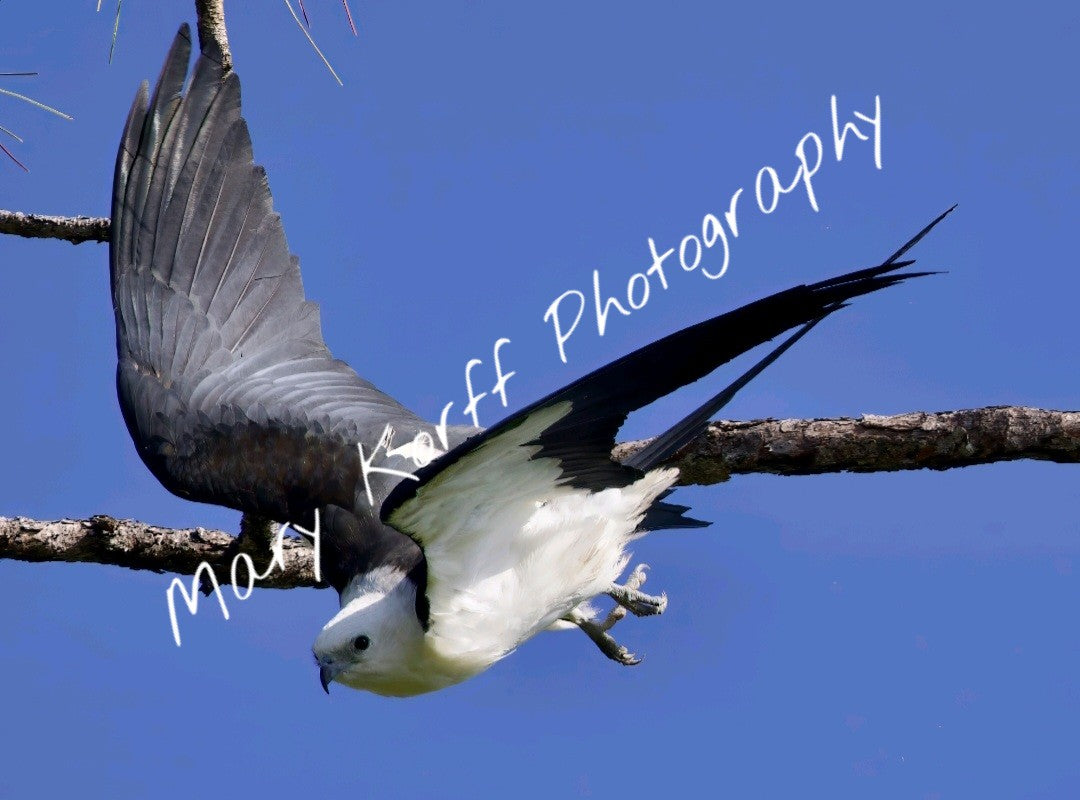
x=326, y=675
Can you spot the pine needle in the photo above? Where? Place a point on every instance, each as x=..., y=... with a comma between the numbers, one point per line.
x=33, y=102
x=115, y=29
x=9, y=154
x=304, y=30
x=348, y=14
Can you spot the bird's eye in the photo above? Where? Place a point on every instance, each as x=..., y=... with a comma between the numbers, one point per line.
x=361, y=643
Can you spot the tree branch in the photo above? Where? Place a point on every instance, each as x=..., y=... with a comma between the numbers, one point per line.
x=213, y=39
x=39, y=226
x=136, y=545
x=918, y=440
x=785, y=447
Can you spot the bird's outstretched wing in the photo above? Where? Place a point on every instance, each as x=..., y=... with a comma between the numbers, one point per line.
x=225, y=383
x=565, y=440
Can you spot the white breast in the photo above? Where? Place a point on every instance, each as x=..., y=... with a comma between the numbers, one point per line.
x=510, y=547
x=532, y=561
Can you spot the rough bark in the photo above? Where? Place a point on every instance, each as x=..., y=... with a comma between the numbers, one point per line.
x=136, y=545
x=70, y=229
x=213, y=37
x=918, y=440
x=785, y=447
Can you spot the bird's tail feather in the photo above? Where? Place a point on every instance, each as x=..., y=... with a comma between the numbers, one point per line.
x=694, y=424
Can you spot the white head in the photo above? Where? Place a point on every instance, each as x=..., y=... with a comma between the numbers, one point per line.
x=375, y=642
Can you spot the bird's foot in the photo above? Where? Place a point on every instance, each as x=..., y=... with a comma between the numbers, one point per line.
x=255, y=540
x=606, y=642
x=630, y=597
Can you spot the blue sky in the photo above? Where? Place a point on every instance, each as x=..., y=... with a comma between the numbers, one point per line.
x=907, y=635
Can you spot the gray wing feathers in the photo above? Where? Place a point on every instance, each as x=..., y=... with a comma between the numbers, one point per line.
x=225, y=382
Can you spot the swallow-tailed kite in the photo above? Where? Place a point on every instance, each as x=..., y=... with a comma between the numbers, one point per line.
x=232, y=397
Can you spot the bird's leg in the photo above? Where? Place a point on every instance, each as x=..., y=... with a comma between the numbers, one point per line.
x=598, y=631
x=256, y=533
x=630, y=597
x=256, y=539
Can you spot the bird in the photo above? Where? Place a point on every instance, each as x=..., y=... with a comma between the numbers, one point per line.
x=443, y=564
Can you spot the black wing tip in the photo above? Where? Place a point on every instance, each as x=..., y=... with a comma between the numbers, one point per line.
x=817, y=301
x=663, y=516
x=849, y=290
x=180, y=50
x=914, y=240
x=891, y=280
x=209, y=47
x=170, y=82
x=876, y=277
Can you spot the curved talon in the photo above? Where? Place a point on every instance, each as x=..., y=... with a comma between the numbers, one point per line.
x=637, y=578
x=636, y=601
x=607, y=644
x=627, y=597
